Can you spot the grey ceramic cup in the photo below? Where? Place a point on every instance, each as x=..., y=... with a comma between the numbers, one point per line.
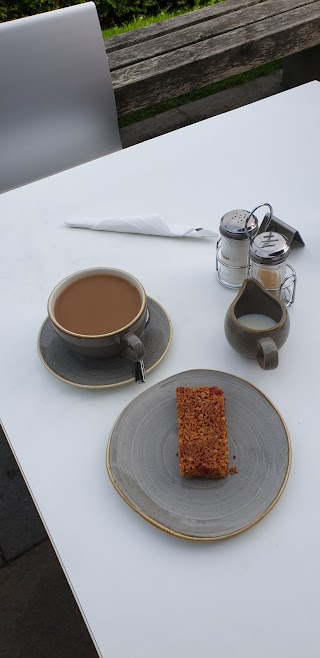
x=260, y=344
x=124, y=341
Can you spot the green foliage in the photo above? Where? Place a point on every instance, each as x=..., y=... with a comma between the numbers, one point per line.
x=111, y=12
x=19, y=8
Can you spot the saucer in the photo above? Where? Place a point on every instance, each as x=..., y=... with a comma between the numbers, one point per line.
x=89, y=372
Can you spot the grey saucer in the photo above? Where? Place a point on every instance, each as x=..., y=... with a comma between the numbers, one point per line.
x=103, y=373
x=143, y=466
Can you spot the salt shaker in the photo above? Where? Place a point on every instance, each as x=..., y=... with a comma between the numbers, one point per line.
x=237, y=228
x=268, y=255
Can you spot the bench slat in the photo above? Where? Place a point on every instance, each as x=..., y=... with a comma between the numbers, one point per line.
x=202, y=31
x=169, y=75
x=170, y=25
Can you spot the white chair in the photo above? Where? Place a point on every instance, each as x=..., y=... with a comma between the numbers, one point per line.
x=57, y=106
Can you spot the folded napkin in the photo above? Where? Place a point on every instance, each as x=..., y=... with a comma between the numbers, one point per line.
x=147, y=224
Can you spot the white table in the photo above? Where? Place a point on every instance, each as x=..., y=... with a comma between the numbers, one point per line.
x=144, y=593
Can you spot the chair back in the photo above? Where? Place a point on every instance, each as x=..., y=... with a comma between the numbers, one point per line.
x=57, y=105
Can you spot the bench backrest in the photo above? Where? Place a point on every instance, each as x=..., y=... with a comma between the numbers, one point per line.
x=171, y=58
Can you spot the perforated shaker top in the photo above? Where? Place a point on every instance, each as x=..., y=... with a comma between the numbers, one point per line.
x=269, y=248
x=233, y=225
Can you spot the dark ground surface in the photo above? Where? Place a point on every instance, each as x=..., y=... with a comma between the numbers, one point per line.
x=39, y=617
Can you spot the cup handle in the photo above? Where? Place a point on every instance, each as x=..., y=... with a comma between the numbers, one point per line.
x=135, y=349
x=267, y=354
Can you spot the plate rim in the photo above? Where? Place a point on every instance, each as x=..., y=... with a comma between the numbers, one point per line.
x=102, y=386
x=186, y=536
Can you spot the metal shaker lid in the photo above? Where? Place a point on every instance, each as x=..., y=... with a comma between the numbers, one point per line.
x=233, y=225
x=269, y=248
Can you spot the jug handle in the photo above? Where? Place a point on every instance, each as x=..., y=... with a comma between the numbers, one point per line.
x=267, y=353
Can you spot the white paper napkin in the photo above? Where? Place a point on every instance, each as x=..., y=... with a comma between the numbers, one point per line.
x=146, y=224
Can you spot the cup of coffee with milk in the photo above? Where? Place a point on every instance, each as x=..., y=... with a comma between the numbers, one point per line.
x=100, y=312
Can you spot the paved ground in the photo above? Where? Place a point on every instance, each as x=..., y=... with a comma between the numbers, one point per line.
x=38, y=615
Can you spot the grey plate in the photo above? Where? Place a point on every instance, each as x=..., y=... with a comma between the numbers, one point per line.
x=142, y=460
x=104, y=373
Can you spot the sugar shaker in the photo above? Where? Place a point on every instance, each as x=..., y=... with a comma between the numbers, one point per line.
x=269, y=255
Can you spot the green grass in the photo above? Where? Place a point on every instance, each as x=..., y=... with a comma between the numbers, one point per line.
x=214, y=88
x=139, y=22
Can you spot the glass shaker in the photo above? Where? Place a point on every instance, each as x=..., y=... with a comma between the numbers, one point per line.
x=268, y=254
x=237, y=228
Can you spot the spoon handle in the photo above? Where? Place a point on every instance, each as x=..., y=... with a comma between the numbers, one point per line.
x=140, y=372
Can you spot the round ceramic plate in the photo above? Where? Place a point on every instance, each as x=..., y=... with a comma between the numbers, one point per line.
x=104, y=373
x=143, y=465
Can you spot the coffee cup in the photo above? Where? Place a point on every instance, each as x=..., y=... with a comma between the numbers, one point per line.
x=257, y=324
x=100, y=312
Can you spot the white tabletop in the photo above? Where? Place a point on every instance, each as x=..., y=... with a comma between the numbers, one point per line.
x=145, y=593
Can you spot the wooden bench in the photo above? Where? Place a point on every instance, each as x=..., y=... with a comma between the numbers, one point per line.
x=176, y=56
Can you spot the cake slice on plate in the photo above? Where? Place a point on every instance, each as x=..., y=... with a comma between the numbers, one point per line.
x=202, y=432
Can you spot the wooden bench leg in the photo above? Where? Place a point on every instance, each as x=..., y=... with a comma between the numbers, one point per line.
x=301, y=67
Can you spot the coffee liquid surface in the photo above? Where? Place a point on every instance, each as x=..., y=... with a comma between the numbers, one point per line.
x=98, y=304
